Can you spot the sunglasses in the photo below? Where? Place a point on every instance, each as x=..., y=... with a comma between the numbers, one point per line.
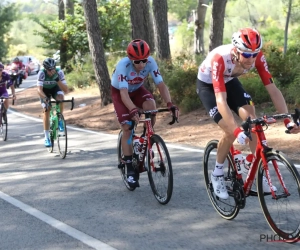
x=139, y=61
x=248, y=55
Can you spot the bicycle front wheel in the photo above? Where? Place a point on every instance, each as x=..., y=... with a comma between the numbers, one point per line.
x=3, y=127
x=159, y=170
x=62, y=138
x=282, y=212
x=228, y=208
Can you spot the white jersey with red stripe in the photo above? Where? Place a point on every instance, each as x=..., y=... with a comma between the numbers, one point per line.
x=218, y=66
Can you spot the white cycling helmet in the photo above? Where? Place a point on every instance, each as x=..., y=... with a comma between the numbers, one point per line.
x=247, y=40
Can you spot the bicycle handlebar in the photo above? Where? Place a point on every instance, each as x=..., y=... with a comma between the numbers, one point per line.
x=60, y=101
x=264, y=120
x=174, y=118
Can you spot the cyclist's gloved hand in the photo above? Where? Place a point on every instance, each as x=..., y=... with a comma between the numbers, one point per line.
x=240, y=136
x=45, y=103
x=134, y=114
x=173, y=108
x=292, y=128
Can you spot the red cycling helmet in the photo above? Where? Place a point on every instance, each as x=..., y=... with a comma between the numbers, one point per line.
x=138, y=50
x=247, y=39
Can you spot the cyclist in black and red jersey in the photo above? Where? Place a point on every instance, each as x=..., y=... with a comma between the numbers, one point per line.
x=220, y=92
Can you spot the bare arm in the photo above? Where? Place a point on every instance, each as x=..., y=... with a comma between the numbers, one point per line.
x=164, y=92
x=126, y=99
x=277, y=98
x=63, y=87
x=41, y=92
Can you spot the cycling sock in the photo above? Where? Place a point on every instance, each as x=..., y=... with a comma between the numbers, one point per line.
x=128, y=162
x=218, y=169
x=47, y=134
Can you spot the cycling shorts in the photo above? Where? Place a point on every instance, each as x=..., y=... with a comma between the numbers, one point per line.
x=138, y=97
x=53, y=92
x=3, y=92
x=236, y=97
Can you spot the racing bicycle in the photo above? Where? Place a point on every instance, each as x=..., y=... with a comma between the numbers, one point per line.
x=280, y=205
x=3, y=118
x=153, y=157
x=57, y=117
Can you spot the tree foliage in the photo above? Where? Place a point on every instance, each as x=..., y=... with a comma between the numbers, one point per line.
x=114, y=23
x=8, y=13
x=182, y=8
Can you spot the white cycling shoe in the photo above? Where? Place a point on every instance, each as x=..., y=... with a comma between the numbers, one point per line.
x=219, y=186
x=266, y=186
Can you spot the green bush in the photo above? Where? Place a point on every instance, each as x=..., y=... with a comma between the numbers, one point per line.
x=180, y=77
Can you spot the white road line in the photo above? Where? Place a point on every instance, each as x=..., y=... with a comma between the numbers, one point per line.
x=115, y=136
x=86, y=239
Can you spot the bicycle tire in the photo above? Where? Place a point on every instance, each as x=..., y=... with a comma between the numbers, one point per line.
x=62, y=138
x=122, y=166
x=50, y=149
x=228, y=209
x=162, y=170
x=282, y=214
x=3, y=127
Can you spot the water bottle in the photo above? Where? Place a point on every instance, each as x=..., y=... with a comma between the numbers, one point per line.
x=136, y=146
x=248, y=163
x=141, y=141
x=239, y=161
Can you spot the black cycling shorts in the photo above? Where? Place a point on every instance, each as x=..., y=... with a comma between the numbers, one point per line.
x=51, y=92
x=236, y=97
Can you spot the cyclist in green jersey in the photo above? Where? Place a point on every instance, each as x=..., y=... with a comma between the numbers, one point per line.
x=51, y=83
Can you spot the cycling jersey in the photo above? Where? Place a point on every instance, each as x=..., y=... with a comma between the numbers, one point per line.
x=126, y=77
x=5, y=83
x=218, y=66
x=48, y=82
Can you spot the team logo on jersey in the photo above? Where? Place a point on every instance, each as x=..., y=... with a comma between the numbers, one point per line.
x=122, y=78
x=263, y=59
x=215, y=70
x=132, y=73
x=136, y=80
x=156, y=72
x=202, y=68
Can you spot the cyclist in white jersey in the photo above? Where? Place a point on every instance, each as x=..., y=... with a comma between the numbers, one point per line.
x=129, y=95
x=220, y=92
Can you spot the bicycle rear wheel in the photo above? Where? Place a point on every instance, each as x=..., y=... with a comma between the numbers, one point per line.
x=160, y=173
x=62, y=137
x=122, y=166
x=282, y=212
x=3, y=127
x=228, y=208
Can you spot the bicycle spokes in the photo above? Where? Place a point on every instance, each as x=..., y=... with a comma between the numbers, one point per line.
x=281, y=209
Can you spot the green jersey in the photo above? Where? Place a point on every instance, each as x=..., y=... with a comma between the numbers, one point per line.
x=49, y=82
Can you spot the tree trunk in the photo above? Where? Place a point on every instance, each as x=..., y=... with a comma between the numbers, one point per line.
x=96, y=50
x=69, y=6
x=287, y=27
x=217, y=24
x=63, y=43
x=151, y=30
x=199, y=26
x=140, y=20
x=160, y=11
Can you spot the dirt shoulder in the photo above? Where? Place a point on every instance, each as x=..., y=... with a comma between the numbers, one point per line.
x=194, y=129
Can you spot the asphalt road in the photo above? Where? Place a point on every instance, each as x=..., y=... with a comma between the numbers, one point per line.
x=81, y=203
